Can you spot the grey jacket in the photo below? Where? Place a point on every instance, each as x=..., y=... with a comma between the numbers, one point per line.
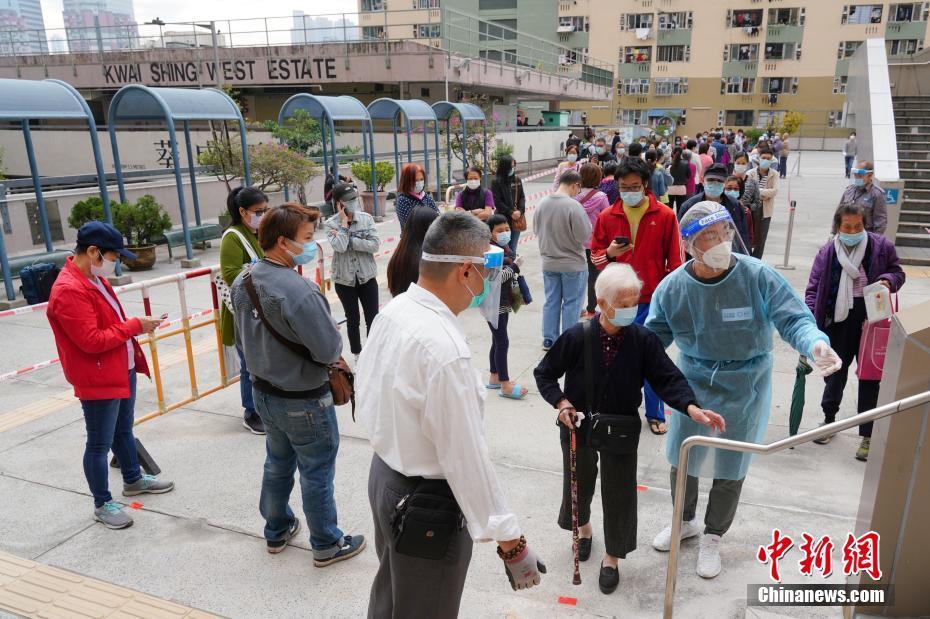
x=299, y=312
x=353, y=248
x=872, y=200
x=562, y=227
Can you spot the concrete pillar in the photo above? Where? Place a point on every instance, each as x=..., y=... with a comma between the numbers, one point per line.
x=895, y=499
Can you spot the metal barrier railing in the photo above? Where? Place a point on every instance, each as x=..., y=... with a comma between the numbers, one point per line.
x=721, y=443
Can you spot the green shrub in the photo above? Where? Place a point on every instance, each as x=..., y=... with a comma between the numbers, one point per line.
x=88, y=209
x=384, y=172
x=139, y=223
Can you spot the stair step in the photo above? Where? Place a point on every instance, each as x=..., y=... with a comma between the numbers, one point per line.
x=907, y=239
x=909, y=227
x=916, y=217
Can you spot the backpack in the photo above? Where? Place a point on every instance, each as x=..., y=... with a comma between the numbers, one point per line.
x=37, y=281
x=222, y=288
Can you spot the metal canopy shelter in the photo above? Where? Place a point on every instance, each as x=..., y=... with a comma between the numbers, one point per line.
x=413, y=110
x=328, y=111
x=467, y=112
x=171, y=105
x=25, y=100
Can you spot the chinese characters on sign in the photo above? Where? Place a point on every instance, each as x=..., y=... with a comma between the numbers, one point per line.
x=163, y=151
x=860, y=554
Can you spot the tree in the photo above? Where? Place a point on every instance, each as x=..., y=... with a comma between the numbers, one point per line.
x=222, y=158
x=791, y=122
x=300, y=133
x=275, y=166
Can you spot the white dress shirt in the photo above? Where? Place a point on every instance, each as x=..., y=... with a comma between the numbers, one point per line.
x=422, y=404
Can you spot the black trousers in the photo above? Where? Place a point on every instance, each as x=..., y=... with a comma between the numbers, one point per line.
x=593, y=272
x=618, y=495
x=500, y=345
x=676, y=201
x=350, y=297
x=760, y=232
x=721, y=501
x=844, y=339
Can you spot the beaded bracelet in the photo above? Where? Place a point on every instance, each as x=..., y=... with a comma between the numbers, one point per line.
x=515, y=552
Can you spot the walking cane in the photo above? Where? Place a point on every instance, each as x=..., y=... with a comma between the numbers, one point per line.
x=576, y=577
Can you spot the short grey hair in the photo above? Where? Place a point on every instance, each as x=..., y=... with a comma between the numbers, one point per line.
x=456, y=233
x=616, y=277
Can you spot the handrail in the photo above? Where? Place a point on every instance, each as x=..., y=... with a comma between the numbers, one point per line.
x=831, y=428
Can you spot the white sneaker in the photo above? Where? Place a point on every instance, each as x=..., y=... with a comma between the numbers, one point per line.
x=708, y=563
x=663, y=541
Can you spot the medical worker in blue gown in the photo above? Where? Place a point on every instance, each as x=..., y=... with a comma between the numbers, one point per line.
x=721, y=308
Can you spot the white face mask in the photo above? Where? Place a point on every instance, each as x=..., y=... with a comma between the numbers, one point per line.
x=740, y=168
x=351, y=206
x=472, y=184
x=106, y=268
x=254, y=220
x=718, y=256
x=418, y=187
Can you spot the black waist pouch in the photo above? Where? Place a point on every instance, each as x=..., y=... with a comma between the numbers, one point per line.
x=616, y=434
x=427, y=520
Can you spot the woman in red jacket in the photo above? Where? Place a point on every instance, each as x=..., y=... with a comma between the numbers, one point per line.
x=100, y=357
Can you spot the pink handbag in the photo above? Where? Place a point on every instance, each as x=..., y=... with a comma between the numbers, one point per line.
x=872, y=347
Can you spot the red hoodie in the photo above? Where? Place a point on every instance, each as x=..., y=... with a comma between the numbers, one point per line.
x=91, y=338
x=657, y=250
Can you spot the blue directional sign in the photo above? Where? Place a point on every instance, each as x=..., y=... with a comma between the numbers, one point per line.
x=891, y=196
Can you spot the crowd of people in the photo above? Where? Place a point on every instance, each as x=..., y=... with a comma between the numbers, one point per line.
x=642, y=245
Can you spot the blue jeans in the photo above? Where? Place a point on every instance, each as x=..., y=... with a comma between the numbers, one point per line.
x=849, y=162
x=301, y=435
x=109, y=426
x=245, y=388
x=514, y=238
x=565, y=294
x=655, y=409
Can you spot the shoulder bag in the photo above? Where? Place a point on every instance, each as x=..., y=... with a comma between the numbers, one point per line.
x=222, y=288
x=341, y=378
x=427, y=520
x=614, y=434
x=518, y=225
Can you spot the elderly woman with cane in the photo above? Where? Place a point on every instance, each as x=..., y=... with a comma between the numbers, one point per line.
x=605, y=362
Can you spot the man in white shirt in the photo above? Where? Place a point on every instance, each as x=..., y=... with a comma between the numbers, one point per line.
x=422, y=403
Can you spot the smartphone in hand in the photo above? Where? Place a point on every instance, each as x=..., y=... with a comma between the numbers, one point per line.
x=622, y=240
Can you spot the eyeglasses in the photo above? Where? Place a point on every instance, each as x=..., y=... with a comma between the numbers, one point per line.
x=628, y=188
x=261, y=211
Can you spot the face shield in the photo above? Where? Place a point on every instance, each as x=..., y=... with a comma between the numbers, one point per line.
x=487, y=298
x=710, y=235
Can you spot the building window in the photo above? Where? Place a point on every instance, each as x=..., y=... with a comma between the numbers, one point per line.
x=496, y=5
x=497, y=30
x=769, y=118
x=636, y=54
x=862, y=14
x=782, y=51
x=671, y=86
x=635, y=21
x=911, y=11
x=839, y=84
x=737, y=85
x=573, y=56
x=673, y=53
x=426, y=4
x=636, y=86
x=786, y=17
x=740, y=52
x=847, y=48
x=835, y=118
x=780, y=85
x=740, y=118
x=674, y=21
x=374, y=5
x=427, y=31
x=373, y=33
x=904, y=47
x=574, y=24
x=631, y=117
x=744, y=18
x=496, y=55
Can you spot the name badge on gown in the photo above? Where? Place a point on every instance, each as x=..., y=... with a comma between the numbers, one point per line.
x=736, y=314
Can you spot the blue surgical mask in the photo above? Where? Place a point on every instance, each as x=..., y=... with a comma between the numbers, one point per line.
x=477, y=299
x=733, y=193
x=712, y=189
x=765, y=164
x=511, y=171
x=600, y=150
x=631, y=198
x=851, y=240
x=572, y=157
x=503, y=238
x=624, y=316
x=307, y=254
x=859, y=182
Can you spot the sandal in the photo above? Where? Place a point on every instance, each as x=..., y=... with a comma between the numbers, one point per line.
x=654, y=427
x=492, y=386
x=517, y=393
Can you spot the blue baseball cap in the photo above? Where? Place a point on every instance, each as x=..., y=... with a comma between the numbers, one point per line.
x=103, y=235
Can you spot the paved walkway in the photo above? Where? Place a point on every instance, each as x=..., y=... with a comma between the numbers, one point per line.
x=201, y=545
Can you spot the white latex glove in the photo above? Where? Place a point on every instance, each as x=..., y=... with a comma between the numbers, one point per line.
x=518, y=261
x=825, y=359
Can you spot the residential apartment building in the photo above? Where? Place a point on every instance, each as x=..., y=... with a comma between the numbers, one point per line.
x=22, y=27
x=115, y=20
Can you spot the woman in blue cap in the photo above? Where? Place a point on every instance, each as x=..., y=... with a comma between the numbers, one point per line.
x=721, y=308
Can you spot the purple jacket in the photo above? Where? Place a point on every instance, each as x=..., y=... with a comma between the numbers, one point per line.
x=881, y=262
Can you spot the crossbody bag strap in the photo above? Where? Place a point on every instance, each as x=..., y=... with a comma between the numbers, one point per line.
x=245, y=244
x=297, y=349
x=588, y=368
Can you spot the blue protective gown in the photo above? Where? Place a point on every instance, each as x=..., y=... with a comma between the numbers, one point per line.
x=724, y=333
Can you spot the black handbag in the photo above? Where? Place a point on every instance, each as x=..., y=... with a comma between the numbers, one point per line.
x=614, y=434
x=427, y=520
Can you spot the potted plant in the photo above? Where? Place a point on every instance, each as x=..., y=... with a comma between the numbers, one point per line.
x=88, y=209
x=384, y=172
x=140, y=223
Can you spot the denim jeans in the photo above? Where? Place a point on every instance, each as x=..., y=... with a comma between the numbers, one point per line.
x=245, y=388
x=301, y=435
x=514, y=239
x=655, y=409
x=849, y=161
x=109, y=426
x=565, y=294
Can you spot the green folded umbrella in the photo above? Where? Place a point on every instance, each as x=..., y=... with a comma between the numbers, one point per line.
x=797, y=395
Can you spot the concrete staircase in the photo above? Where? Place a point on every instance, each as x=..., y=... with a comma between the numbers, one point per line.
x=912, y=123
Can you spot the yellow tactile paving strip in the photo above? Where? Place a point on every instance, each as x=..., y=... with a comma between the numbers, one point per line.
x=31, y=589
x=63, y=399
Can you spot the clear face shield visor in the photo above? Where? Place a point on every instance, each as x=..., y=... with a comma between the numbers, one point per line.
x=713, y=239
x=488, y=297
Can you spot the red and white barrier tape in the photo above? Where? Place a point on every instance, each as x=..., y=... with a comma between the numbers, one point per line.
x=26, y=370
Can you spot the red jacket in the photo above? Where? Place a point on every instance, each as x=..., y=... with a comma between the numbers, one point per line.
x=91, y=338
x=657, y=250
